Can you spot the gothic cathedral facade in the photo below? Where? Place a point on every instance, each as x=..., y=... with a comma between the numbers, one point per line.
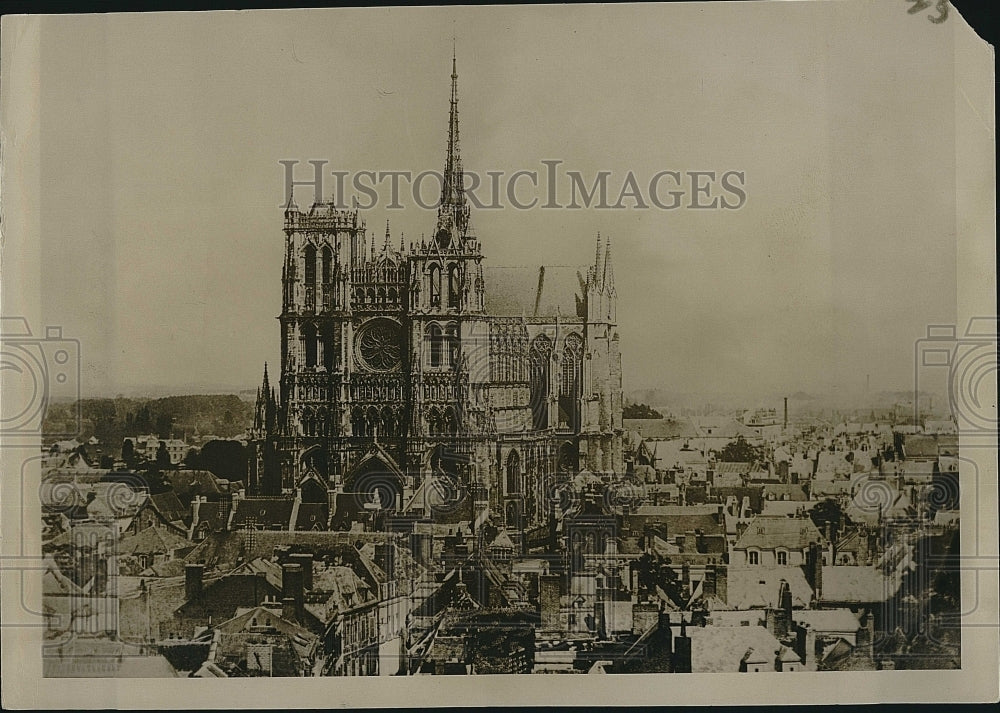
x=400, y=384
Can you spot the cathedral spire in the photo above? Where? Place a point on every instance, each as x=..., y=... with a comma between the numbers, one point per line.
x=597, y=259
x=608, y=281
x=453, y=213
x=385, y=249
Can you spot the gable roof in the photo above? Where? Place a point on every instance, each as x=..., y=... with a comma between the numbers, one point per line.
x=720, y=649
x=267, y=512
x=152, y=540
x=766, y=532
x=756, y=587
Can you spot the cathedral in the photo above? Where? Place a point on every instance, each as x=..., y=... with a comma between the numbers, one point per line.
x=423, y=382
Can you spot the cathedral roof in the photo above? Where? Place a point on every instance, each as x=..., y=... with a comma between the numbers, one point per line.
x=513, y=291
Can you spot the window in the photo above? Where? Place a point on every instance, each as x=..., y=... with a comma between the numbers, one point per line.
x=435, y=290
x=436, y=339
x=513, y=473
x=454, y=289
x=451, y=336
x=754, y=557
x=782, y=557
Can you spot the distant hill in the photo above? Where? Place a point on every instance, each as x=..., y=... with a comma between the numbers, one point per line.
x=111, y=420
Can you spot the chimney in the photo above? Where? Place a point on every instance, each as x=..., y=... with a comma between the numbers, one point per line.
x=291, y=587
x=779, y=619
x=665, y=632
x=708, y=585
x=305, y=559
x=193, y=574
x=805, y=645
x=682, y=650
x=288, y=610
x=722, y=583
x=644, y=617
x=814, y=569
x=548, y=597
x=686, y=577
x=385, y=558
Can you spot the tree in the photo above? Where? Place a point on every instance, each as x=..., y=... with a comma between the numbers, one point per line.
x=163, y=455
x=739, y=451
x=829, y=511
x=640, y=411
x=226, y=459
x=128, y=452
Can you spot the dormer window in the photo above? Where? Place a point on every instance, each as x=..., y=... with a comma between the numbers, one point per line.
x=753, y=557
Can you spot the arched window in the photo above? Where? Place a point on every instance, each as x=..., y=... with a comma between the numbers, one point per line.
x=454, y=288
x=329, y=347
x=513, y=473
x=451, y=337
x=570, y=382
x=309, y=344
x=310, y=271
x=310, y=276
x=450, y=421
x=435, y=286
x=782, y=557
x=388, y=422
x=433, y=422
x=754, y=557
x=436, y=339
x=540, y=356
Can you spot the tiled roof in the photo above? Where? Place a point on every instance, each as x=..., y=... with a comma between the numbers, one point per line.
x=784, y=491
x=757, y=586
x=737, y=467
x=152, y=540
x=657, y=429
x=828, y=620
x=857, y=584
x=720, y=649
x=269, y=513
x=768, y=533
x=169, y=507
x=312, y=516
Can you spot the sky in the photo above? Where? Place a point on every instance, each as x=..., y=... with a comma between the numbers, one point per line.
x=160, y=182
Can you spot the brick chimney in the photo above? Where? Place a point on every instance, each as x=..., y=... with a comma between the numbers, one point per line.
x=193, y=575
x=549, y=587
x=779, y=619
x=708, y=585
x=291, y=587
x=722, y=583
x=305, y=559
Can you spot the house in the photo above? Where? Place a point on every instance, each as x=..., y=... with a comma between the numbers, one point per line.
x=769, y=540
x=151, y=546
x=260, y=641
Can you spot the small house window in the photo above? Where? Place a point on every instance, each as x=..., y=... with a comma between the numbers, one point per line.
x=782, y=557
x=754, y=557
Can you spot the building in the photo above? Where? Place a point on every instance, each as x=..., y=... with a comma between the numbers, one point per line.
x=402, y=365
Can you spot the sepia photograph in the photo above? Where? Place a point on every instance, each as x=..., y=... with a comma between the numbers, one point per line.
x=502, y=340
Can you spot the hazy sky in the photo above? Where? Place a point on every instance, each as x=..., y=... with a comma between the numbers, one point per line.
x=160, y=184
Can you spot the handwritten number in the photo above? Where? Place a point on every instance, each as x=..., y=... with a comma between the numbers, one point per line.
x=942, y=8
x=918, y=6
